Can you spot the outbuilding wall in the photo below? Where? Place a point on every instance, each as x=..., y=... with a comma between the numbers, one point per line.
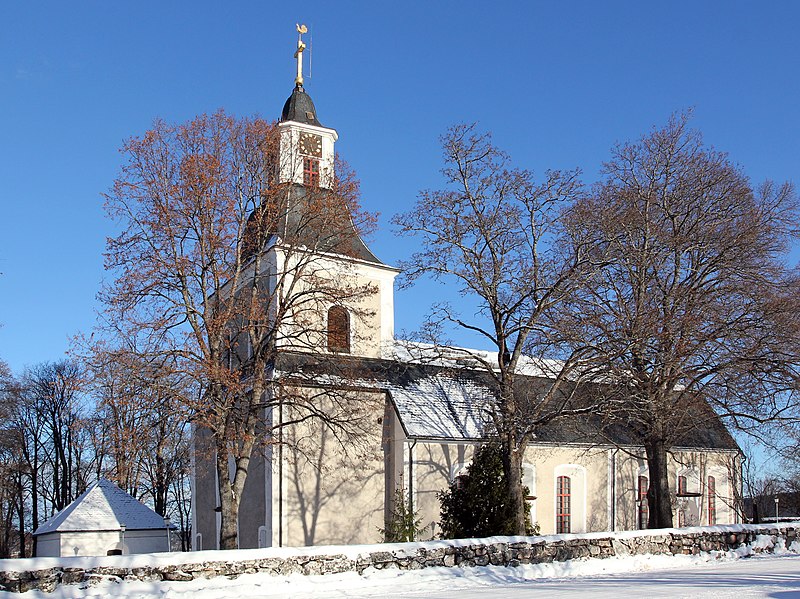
x=65, y=544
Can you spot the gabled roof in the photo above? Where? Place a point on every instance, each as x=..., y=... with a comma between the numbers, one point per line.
x=451, y=403
x=439, y=405
x=103, y=506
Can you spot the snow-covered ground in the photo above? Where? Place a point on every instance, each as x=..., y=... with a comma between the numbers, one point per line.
x=731, y=574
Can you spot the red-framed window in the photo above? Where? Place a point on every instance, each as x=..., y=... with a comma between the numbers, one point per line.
x=338, y=330
x=681, y=485
x=311, y=172
x=643, y=509
x=712, y=501
x=563, y=505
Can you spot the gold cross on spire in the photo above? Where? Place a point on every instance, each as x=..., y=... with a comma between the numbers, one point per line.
x=301, y=29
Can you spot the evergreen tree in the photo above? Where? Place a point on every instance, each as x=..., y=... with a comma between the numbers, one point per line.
x=477, y=503
x=405, y=524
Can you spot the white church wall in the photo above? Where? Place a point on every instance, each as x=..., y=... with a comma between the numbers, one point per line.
x=435, y=465
x=333, y=487
x=588, y=472
x=696, y=465
x=367, y=294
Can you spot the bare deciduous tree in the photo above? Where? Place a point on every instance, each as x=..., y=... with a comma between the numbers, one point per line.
x=141, y=422
x=223, y=261
x=694, y=303
x=13, y=472
x=53, y=414
x=495, y=233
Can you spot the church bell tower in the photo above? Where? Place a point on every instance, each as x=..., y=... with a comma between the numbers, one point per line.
x=306, y=146
x=362, y=326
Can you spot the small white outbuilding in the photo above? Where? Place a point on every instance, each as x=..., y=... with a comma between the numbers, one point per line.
x=105, y=520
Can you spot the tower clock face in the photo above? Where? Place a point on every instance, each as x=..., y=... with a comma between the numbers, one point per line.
x=310, y=144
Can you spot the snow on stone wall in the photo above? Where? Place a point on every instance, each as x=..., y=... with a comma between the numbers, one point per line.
x=46, y=574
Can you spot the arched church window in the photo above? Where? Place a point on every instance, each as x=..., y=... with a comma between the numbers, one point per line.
x=338, y=330
x=563, y=505
x=682, y=487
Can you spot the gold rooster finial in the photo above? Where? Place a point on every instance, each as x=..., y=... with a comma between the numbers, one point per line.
x=301, y=29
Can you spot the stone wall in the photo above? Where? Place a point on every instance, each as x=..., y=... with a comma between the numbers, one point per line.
x=497, y=551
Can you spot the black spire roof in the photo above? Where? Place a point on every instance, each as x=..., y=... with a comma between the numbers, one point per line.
x=310, y=218
x=300, y=108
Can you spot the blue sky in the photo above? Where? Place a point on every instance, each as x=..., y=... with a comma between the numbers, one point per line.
x=558, y=83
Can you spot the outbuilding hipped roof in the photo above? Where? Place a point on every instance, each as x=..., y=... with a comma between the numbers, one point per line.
x=103, y=506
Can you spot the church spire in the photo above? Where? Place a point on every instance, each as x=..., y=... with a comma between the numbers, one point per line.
x=301, y=29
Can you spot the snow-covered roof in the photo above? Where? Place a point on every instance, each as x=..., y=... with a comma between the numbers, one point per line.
x=441, y=406
x=103, y=506
x=464, y=357
x=446, y=396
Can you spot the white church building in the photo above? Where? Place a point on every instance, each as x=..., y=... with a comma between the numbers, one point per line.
x=425, y=417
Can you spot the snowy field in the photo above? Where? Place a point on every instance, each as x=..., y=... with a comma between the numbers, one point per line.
x=720, y=576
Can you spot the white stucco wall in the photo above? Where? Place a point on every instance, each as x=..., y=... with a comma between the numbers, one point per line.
x=58, y=544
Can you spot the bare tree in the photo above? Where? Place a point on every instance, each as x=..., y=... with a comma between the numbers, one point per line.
x=223, y=262
x=141, y=430
x=53, y=415
x=495, y=233
x=14, y=485
x=695, y=303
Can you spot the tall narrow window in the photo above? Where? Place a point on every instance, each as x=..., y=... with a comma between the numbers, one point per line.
x=311, y=172
x=643, y=509
x=681, y=485
x=563, y=505
x=338, y=330
x=712, y=501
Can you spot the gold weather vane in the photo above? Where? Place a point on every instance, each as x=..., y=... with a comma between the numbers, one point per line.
x=301, y=29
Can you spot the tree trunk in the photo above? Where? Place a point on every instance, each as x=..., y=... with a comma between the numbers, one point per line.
x=511, y=452
x=658, y=494
x=512, y=472
x=229, y=504
x=34, y=477
x=21, y=514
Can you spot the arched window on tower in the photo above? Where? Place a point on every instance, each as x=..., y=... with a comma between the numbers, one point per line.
x=338, y=330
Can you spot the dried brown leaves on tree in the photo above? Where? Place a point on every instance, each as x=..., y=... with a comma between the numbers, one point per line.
x=141, y=431
x=494, y=232
x=221, y=261
x=695, y=302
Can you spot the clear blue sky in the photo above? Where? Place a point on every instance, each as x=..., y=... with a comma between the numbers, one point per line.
x=557, y=82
